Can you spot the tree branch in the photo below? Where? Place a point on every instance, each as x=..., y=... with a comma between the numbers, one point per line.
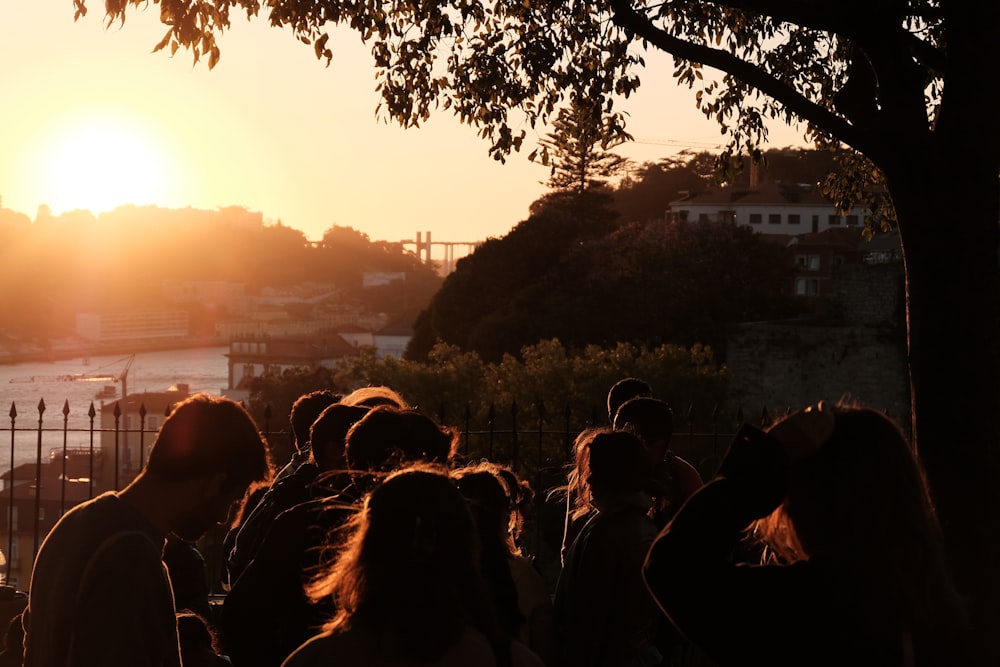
x=627, y=18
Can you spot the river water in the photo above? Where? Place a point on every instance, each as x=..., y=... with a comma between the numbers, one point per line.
x=23, y=385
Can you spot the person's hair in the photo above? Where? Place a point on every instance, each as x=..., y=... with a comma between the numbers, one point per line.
x=328, y=434
x=491, y=508
x=522, y=499
x=305, y=410
x=486, y=491
x=194, y=633
x=207, y=435
x=576, y=479
x=616, y=462
x=650, y=418
x=409, y=567
x=373, y=396
x=624, y=390
x=388, y=437
x=862, y=499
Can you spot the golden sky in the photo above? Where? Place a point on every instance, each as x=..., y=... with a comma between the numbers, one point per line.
x=90, y=118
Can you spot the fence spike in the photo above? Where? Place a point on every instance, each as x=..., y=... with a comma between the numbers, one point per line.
x=41, y=407
x=65, y=409
x=13, y=411
x=92, y=412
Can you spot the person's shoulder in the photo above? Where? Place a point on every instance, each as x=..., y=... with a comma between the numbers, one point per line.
x=319, y=650
x=522, y=656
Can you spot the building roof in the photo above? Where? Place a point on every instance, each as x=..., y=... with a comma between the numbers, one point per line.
x=789, y=194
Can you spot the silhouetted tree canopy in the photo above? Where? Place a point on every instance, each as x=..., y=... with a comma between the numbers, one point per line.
x=570, y=272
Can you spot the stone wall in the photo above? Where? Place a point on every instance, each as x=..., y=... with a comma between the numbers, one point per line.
x=781, y=365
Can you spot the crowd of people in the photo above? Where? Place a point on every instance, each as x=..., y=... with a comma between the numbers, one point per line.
x=815, y=543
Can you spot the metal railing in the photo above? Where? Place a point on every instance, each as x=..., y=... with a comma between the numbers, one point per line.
x=536, y=442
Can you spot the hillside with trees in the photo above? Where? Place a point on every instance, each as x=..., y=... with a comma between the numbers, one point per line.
x=60, y=265
x=579, y=271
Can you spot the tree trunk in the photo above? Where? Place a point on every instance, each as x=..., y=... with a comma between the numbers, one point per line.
x=948, y=218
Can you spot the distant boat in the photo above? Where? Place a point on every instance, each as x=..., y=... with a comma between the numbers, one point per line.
x=108, y=392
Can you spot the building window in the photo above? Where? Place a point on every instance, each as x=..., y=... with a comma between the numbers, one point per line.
x=682, y=215
x=838, y=260
x=833, y=220
x=807, y=287
x=794, y=219
x=727, y=216
x=852, y=220
x=809, y=262
x=774, y=219
x=703, y=217
x=755, y=218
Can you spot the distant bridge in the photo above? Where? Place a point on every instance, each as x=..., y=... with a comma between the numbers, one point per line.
x=422, y=247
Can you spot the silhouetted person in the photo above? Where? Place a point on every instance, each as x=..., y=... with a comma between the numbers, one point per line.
x=673, y=480
x=604, y=614
x=625, y=390
x=578, y=507
x=199, y=645
x=407, y=586
x=100, y=594
x=12, y=654
x=305, y=411
x=267, y=614
x=521, y=597
x=859, y=578
x=287, y=489
x=188, y=577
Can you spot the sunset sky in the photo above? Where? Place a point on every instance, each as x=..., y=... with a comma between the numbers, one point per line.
x=92, y=119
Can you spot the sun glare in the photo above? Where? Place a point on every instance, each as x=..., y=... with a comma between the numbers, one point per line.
x=101, y=163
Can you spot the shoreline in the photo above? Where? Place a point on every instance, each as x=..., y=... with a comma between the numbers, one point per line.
x=63, y=352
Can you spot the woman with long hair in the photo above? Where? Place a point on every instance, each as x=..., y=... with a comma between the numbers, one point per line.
x=407, y=584
x=856, y=572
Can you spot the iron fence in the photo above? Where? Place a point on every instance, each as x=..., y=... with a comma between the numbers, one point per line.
x=65, y=465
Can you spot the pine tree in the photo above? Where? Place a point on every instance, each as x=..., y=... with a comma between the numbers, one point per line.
x=577, y=150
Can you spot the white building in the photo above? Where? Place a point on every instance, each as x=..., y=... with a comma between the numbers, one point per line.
x=770, y=208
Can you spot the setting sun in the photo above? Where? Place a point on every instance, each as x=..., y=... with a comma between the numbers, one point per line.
x=100, y=163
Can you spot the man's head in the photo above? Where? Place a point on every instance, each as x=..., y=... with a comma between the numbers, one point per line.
x=622, y=391
x=650, y=419
x=328, y=435
x=305, y=410
x=616, y=463
x=386, y=437
x=210, y=448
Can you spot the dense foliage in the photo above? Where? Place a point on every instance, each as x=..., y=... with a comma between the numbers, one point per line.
x=462, y=390
x=570, y=272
